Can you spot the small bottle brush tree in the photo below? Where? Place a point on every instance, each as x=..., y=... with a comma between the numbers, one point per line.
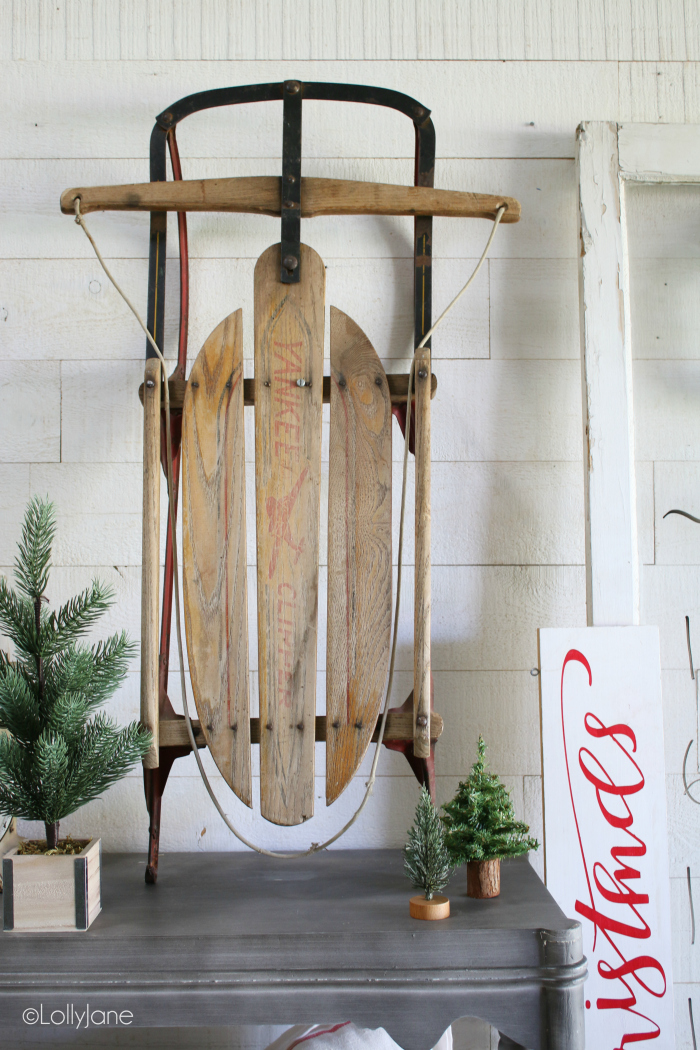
x=57, y=753
x=480, y=822
x=426, y=859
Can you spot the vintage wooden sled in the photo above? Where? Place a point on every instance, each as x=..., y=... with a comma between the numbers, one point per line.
x=287, y=392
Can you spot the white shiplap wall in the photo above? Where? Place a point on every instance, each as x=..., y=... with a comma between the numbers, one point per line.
x=507, y=82
x=664, y=249
x=376, y=30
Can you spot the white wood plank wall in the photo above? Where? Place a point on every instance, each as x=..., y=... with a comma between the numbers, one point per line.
x=369, y=30
x=664, y=254
x=508, y=82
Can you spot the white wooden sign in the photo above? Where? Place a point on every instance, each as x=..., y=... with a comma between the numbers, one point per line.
x=605, y=823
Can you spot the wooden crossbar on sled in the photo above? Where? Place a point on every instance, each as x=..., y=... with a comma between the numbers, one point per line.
x=286, y=393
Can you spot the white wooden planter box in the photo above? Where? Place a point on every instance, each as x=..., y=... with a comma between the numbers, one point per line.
x=52, y=894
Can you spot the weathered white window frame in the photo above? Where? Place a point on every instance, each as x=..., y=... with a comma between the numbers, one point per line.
x=609, y=156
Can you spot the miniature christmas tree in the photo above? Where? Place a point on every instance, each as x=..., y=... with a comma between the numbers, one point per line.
x=480, y=822
x=55, y=756
x=426, y=860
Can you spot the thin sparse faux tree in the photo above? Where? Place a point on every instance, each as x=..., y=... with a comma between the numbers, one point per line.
x=57, y=753
x=480, y=822
x=426, y=859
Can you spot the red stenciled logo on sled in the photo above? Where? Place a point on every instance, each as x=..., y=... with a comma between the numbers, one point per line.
x=606, y=888
x=279, y=511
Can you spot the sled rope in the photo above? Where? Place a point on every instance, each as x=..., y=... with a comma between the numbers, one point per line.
x=315, y=846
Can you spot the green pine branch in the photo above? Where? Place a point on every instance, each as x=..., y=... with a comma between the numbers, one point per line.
x=18, y=786
x=75, y=618
x=480, y=820
x=6, y=664
x=106, y=753
x=17, y=620
x=19, y=711
x=57, y=753
x=69, y=716
x=95, y=671
x=33, y=561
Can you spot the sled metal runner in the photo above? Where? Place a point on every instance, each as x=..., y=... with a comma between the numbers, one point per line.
x=287, y=392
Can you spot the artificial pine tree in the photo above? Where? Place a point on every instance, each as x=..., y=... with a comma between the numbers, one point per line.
x=57, y=753
x=426, y=859
x=480, y=822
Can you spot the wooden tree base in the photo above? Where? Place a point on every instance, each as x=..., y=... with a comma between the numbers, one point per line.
x=483, y=878
x=437, y=908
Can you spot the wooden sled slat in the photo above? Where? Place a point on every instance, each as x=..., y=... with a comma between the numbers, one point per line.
x=421, y=599
x=359, y=550
x=288, y=350
x=214, y=550
x=150, y=557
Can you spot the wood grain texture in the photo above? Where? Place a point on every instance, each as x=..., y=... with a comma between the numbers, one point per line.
x=288, y=348
x=483, y=879
x=44, y=892
x=421, y=616
x=436, y=908
x=261, y=195
x=214, y=550
x=399, y=726
x=359, y=550
x=150, y=557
